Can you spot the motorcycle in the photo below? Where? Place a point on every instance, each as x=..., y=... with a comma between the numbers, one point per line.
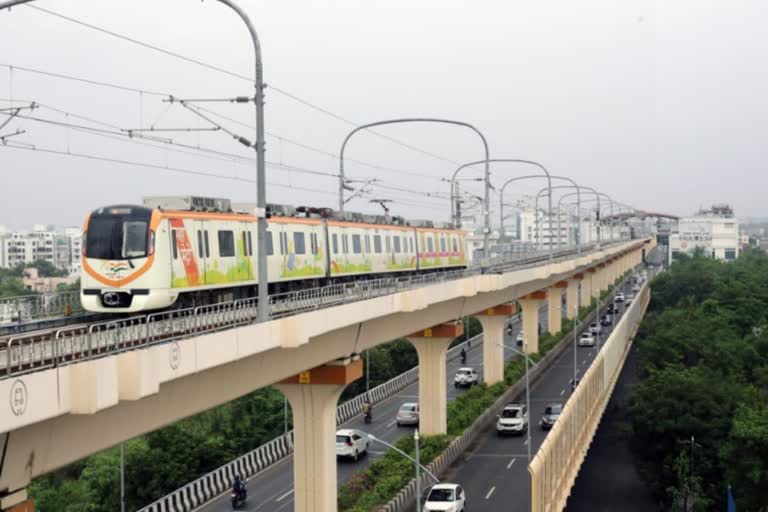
x=238, y=499
x=368, y=417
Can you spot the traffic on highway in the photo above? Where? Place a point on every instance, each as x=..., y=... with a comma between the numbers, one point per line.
x=272, y=490
x=494, y=473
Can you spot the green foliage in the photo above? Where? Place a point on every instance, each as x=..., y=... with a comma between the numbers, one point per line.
x=44, y=269
x=704, y=372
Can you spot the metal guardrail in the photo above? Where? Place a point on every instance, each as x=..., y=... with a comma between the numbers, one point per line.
x=27, y=308
x=33, y=351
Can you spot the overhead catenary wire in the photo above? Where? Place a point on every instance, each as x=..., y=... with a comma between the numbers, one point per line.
x=240, y=76
x=167, y=168
x=166, y=95
x=117, y=133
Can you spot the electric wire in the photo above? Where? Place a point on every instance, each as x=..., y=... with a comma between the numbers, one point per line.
x=240, y=76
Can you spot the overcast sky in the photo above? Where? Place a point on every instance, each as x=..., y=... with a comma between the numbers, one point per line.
x=661, y=105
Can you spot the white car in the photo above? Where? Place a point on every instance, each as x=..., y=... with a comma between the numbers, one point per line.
x=351, y=443
x=466, y=377
x=629, y=299
x=636, y=288
x=619, y=297
x=408, y=414
x=587, y=340
x=446, y=498
x=594, y=328
x=520, y=338
x=512, y=420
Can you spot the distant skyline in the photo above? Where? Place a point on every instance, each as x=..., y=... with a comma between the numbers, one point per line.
x=659, y=104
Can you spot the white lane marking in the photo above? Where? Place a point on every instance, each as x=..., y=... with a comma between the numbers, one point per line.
x=562, y=392
x=525, y=443
x=391, y=423
x=510, y=463
x=490, y=492
x=281, y=498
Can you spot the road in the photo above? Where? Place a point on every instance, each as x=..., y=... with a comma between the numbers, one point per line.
x=272, y=490
x=494, y=472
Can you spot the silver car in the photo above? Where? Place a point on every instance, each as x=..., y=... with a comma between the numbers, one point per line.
x=408, y=414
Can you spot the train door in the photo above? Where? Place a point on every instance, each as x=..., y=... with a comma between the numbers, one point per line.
x=201, y=249
x=185, y=272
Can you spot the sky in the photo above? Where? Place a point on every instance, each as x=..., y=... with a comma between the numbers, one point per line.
x=661, y=105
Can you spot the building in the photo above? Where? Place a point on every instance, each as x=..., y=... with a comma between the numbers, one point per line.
x=61, y=249
x=35, y=283
x=715, y=231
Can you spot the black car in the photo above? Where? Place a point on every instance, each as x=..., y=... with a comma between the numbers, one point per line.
x=606, y=320
x=551, y=413
x=611, y=308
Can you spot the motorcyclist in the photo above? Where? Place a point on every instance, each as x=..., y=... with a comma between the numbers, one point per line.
x=367, y=410
x=463, y=356
x=239, y=487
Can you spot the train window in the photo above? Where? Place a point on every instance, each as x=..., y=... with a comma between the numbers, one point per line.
x=226, y=244
x=405, y=244
x=442, y=244
x=269, y=244
x=357, y=246
x=245, y=244
x=250, y=244
x=299, y=244
x=430, y=246
x=397, y=244
x=377, y=243
x=207, y=247
x=389, y=249
x=173, y=244
x=367, y=244
x=411, y=243
x=455, y=246
x=283, y=243
x=345, y=244
x=199, y=244
x=335, y=243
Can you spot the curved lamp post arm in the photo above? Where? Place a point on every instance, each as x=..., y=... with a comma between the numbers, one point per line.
x=261, y=193
x=401, y=452
x=486, y=205
x=504, y=160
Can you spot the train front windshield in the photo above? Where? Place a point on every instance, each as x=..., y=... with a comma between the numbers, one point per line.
x=118, y=233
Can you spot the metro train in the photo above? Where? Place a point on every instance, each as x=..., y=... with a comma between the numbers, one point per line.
x=188, y=251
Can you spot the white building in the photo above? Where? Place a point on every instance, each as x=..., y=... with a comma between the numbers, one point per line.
x=60, y=249
x=566, y=229
x=716, y=231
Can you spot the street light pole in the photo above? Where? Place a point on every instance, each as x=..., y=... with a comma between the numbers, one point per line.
x=487, y=198
x=261, y=193
x=418, y=471
x=419, y=467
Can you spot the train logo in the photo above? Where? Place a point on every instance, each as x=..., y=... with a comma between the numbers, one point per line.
x=115, y=269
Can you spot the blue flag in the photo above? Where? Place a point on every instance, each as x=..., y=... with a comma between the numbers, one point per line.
x=731, y=501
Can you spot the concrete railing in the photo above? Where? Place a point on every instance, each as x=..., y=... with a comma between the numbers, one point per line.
x=219, y=481
x=404, y=500
x=556, y=464
x=33, y=351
